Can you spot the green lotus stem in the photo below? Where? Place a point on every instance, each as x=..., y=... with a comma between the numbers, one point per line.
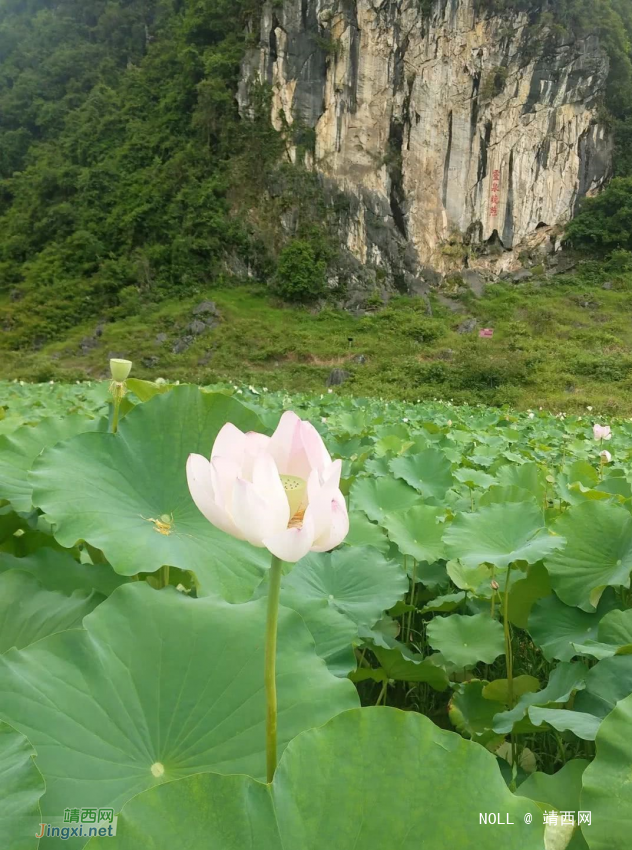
x=118, y=391
x=508, y=653
x=412, y=602
x=165, y=576
x=274, y=593
x=115, y=417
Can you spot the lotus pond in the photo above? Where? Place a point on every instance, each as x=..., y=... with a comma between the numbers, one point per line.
x=464, y=652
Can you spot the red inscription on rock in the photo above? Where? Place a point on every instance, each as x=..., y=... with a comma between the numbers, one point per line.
x=495, y=197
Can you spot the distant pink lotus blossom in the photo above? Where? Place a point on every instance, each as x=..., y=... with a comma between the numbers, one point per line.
x=486, y=333
x=602, y=432
x=281, y=493
x=605, y=456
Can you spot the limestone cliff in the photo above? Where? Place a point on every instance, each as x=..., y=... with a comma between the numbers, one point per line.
x=444, y=126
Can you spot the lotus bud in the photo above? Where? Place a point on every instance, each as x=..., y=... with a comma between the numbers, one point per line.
x=120, y=369
x=495, y=585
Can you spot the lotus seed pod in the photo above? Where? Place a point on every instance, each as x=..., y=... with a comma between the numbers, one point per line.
x=296, y=492
x=120, y=369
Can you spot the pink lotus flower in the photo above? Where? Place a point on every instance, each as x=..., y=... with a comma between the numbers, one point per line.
x=280, y=492
x=602, y=432
x=605, y=456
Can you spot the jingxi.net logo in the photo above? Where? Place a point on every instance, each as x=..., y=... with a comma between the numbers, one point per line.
x=80, y=823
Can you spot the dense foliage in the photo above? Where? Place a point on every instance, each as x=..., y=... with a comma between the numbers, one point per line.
x=483, y=589
x=605, y=224
x=117, y=122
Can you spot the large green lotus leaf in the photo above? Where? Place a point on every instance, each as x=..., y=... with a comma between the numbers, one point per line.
x=606, y=683
x=464, y=641
x=598, y=553
x=363, y=532
x=417, y=532
x=499, y=495
x=334, y=633
x=377, y=496
x=579, y=483
x=376, y=466
x=159, y=686
x=354, y=784
x=146, y=390
x=596, y=649
x=527, y=476
x=29, y=612
x=616, y=486
x=391, y=444
x=616, y=628
x=384, y=634
x=472, y=713
x=565, y=679
x=19, y=450
x=110, y=489
x=606, y=786
x=411, y=669
x=433, y=576
x=59, y=571
x=500, y=535
x=444, y=604
x=429, y=472
x=583, y=725
x=560, y=791
x=484, y=455
x=360, y=583
x=475, y=579
x=474, y=477
x=555, y=627
x=525, y=592
x=498, y=689
x=21, y=786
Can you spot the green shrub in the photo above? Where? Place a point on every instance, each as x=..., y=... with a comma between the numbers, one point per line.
x=613, y=368
x=492, y=374
x=300, y=275
x=619, y=262
x=425, y=331
x=494, y=83
x=604, y=223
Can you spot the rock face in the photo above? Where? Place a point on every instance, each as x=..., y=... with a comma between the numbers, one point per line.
x=445, y=127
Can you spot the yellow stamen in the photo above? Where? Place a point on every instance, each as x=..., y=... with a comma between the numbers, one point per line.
x=164, y=525
x=297, y=520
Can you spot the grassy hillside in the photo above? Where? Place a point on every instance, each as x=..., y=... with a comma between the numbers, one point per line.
x=562, y=343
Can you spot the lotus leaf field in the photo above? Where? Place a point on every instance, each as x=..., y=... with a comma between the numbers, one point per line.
x=466, y=651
